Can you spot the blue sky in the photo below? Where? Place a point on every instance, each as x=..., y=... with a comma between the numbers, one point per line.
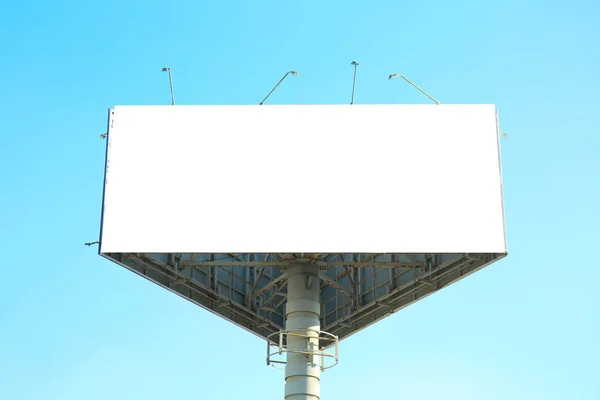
x=75, y=326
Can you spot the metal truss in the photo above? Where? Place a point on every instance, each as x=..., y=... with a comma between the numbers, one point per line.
x=357, y=289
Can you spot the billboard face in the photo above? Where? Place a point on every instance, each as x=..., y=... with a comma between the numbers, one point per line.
x=303, y=179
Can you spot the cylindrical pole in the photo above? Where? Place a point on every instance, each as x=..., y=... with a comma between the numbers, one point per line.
x=168, y=70
x=303, y=308
x=353, y=81
x=171, y=85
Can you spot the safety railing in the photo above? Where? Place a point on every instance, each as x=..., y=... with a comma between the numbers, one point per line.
x=278, y=340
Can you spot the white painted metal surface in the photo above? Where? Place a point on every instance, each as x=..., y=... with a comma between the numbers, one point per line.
x=314, y=179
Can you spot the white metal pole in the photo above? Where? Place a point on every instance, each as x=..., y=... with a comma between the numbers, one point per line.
x=303, y=308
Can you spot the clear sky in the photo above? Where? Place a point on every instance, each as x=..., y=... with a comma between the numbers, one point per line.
x=75, y=326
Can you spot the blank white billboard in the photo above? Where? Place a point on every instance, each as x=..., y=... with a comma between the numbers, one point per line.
x=309, y=178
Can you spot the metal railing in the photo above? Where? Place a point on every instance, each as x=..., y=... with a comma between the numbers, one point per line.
x=326, y=340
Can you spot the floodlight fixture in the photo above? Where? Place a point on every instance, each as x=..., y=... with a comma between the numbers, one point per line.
x=278, y=83
x=413, y=84
x=167, y=69
x=353, y=81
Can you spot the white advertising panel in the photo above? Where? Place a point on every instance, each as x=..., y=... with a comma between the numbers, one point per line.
x=304, y=178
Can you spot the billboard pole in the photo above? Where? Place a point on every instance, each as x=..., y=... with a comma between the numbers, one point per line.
x=302, y=327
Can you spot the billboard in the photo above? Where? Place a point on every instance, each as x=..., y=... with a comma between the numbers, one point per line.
x=393, y=202
x=312, y=179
